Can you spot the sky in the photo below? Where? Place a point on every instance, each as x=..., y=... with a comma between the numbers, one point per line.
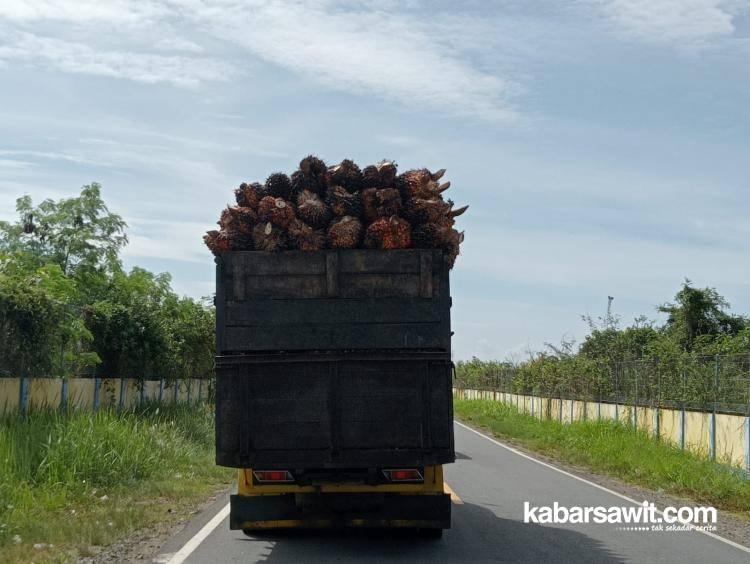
x=602, y=145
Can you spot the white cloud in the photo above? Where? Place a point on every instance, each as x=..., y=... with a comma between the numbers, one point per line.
x=178, y=44
x=141, y=67
x=13, y=164
x=82, y=11
x=393, y=55
x=687, y=23
x=362, y=47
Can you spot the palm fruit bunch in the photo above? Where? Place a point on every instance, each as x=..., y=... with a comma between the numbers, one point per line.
x=432, y=218
x=250, y=195
x=312, y=176
x=276, y=210
x=304, y=238
x=388, y=233
x=344, y=233
x=341, y=207
x=312, y=210
x=341, y=202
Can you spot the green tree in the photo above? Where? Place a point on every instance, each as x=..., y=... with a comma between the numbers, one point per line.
x=41, y=330
x=66, y=304
x=130, y=323
x=74, y=233
x=697, y=312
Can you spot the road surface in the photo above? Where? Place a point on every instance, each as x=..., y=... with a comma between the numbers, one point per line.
x=492, y=483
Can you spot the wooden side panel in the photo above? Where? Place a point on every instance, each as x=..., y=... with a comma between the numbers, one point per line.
x=380, y=406
x=383, y=262
x=332, y=300
x=337, y=336
x=440, y=389
x=299, y=311
x=345, y=413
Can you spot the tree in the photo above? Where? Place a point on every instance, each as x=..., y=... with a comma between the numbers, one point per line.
x=130, y=323
x=41, y=330
x=74, y=233
x=699, y=311
x=612, y=344
x=67, y=304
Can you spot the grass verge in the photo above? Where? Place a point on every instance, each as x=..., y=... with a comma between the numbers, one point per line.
x=72, y=482
x=617, y=450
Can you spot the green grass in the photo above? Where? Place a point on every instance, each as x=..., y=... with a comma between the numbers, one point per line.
x=79, y=480
x=617, y=450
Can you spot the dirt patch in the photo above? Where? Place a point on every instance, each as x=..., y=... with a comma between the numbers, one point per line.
x=144, y=544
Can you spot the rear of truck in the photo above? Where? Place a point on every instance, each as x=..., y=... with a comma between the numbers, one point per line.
x=334, y=388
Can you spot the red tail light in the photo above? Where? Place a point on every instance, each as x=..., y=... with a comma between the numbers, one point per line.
x=403, y=475
x=272, y=476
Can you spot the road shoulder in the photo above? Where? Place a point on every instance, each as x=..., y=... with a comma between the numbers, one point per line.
x=731, y=526
x=158, y=543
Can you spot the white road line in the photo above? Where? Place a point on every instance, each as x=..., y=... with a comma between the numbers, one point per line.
x=597, y=486
x=181, y=555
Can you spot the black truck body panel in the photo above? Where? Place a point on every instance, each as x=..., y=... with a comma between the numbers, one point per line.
x=332, y=300
x=333, y=359
x=334, y=410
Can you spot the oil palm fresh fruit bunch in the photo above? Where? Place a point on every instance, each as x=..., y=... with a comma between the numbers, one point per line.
x=452, y=246
x=217, y=242
x=238, y=219
x=250, y=195
x=381, y=175
x=342, y=203
x=304, y=237
x=388, y=233
x=240, y=240
x=270, y=237
x=312, y=210
x=441, y=235
x=312, y=176
x=279, y=185
x=431, y=211
x=276, y=210
x=380, y=202
x=421, y=183
x=344, y=233
x=347, y=175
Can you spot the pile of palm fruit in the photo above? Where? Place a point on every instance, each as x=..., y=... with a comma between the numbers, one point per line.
x=341, y=207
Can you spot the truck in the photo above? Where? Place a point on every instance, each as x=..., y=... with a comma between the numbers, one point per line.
x=334, y=388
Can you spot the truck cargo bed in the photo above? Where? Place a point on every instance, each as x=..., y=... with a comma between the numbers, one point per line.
x=332, y=300
x=334, y=410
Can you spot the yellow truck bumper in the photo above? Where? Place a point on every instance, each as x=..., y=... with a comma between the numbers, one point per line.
x=423, y=505
x=340, y=510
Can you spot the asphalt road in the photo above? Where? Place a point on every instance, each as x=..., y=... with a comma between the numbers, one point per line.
x=492, y=484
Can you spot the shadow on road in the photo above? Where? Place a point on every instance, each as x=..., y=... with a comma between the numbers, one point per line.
x=478, y=535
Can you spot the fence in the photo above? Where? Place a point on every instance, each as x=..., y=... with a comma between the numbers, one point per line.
x=23, y=394
x=718, y=436
x=699, y=404
x=717, y=383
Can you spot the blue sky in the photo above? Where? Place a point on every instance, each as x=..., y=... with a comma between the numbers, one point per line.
x=602, y=144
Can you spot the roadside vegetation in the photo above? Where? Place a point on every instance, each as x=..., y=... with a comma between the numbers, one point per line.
x=68, y=307
x=73, y=482
x=616, y=450
x=699, y=357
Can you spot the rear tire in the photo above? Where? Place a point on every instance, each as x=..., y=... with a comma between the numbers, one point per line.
x=430, y=534
x=249, y=532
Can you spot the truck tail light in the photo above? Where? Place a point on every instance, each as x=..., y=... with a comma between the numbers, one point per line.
x=403, y=475
x=272, y=476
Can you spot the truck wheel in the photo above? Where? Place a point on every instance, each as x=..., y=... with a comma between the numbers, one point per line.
x=249, y=532
x=430, y=533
